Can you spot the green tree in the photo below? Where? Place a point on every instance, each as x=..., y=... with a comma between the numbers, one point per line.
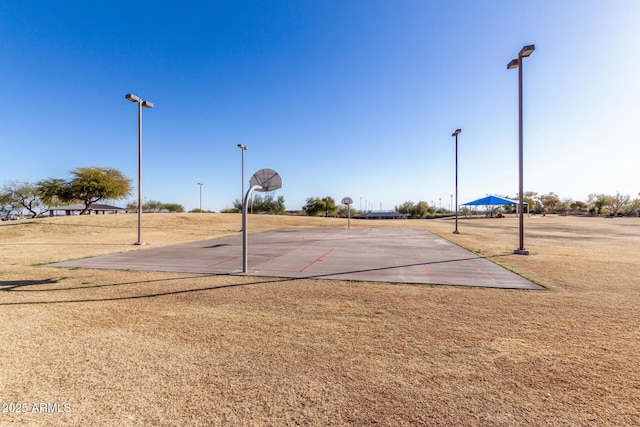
x=599, y=202
x=92, y=184
x=132, y=206
x=549, y=202
x=54, y=191
x=172, y=207
x=268, y=204
x=320, y=207
x=406, y=208
x=345, y=210
x=88, y=185
x=259, y=204
x=633, y=207
x=421, y=209
x=152, y=206
x=418, y=210
x=237, y=207
x=511, y=208
x=531, y=197
x=578, y=207
x=564, y=206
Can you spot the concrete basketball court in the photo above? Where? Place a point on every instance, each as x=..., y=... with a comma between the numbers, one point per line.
x=373, y=254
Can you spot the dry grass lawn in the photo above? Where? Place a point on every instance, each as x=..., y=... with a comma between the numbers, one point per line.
x=100, y=347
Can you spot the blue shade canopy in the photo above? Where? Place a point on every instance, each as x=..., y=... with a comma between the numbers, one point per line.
x=490, y=200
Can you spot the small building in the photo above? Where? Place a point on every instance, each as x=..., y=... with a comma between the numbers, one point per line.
x=75, y=209
x=382, y=215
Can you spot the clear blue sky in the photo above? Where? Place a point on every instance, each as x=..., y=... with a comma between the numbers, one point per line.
x=342, y=98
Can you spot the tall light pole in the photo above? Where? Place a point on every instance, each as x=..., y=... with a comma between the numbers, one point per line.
x=455, y=134
x=517, y=63
x=242, y=148
x=131, y=97
x=200, y=184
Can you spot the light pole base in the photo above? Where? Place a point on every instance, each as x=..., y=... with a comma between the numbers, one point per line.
x=521, y=252
x=139, y=243
x=456, y=232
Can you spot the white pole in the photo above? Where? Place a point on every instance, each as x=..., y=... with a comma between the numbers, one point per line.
x=244, y=227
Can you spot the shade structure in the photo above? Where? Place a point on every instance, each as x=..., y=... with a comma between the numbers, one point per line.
x=491, y=201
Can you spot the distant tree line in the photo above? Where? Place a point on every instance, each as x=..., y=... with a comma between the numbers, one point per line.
x=89, y=185
x=156, y=207
x=267, y=204
x=595, y=205
x=416, y=210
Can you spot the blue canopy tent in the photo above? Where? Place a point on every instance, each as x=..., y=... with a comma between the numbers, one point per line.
x=492, y=201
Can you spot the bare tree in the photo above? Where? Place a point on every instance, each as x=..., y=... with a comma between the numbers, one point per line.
x=618, y=203
x=24, y=195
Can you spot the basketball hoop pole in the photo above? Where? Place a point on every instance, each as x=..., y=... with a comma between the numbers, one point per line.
x=348, y=201
x=264, y=180
x=244, y=226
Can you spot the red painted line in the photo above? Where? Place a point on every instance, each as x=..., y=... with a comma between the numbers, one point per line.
x=417, y=260
x=484, y=273
x=319, y=259
x=224, y=261
x=469, y=263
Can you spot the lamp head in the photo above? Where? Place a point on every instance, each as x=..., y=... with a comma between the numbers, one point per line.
x=526, y=51
x=457, y=132
x=244, y=147
x=147, y=104
x=513, y=64
x=131, y=97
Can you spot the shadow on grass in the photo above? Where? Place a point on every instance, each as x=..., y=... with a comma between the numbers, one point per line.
x=11, y=285
x=123, y=298
x=20, y=285
x=69, y=244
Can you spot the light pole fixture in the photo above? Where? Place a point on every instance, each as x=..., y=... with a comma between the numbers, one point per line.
x=133, y=98
x=455, y=134
x=200, y=184
x=517, y=63
x=242, y=148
